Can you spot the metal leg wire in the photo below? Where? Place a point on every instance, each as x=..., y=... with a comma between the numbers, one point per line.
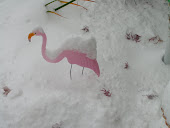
x=82, y=70
x=70, y=72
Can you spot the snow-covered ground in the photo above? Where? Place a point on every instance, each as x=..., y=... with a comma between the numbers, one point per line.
x=42, y=93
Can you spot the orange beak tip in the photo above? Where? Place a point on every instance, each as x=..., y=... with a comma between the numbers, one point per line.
x=29, y=36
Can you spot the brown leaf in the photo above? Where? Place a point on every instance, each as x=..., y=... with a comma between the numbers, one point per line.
x=6, y=90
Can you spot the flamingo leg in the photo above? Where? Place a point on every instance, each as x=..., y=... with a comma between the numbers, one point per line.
x=70, y=72
x=82, y=70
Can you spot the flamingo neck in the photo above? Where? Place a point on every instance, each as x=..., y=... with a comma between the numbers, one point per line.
x=44, y=51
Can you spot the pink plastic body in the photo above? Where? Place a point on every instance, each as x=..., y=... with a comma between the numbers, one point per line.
x=73, y=57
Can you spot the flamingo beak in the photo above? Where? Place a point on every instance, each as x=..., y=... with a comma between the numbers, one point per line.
x=29, y=36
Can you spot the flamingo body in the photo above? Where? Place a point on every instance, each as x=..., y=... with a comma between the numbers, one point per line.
x=82, y=60
x=73, y=56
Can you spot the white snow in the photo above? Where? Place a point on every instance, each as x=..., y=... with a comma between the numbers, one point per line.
x=76, y=43
x=40, y=29
x=42, y=94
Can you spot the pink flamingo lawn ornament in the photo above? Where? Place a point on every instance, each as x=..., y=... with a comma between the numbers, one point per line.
x=74, y=56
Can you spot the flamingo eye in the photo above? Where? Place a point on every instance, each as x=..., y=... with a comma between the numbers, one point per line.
x=34, y=33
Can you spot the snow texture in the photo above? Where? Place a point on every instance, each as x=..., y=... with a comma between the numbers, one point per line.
x=38, y=29
x=42, y=94
x=87, y=46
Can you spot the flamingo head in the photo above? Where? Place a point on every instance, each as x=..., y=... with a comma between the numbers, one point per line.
x=36, y=32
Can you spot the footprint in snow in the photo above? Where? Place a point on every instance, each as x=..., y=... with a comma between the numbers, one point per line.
x=15, y=93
